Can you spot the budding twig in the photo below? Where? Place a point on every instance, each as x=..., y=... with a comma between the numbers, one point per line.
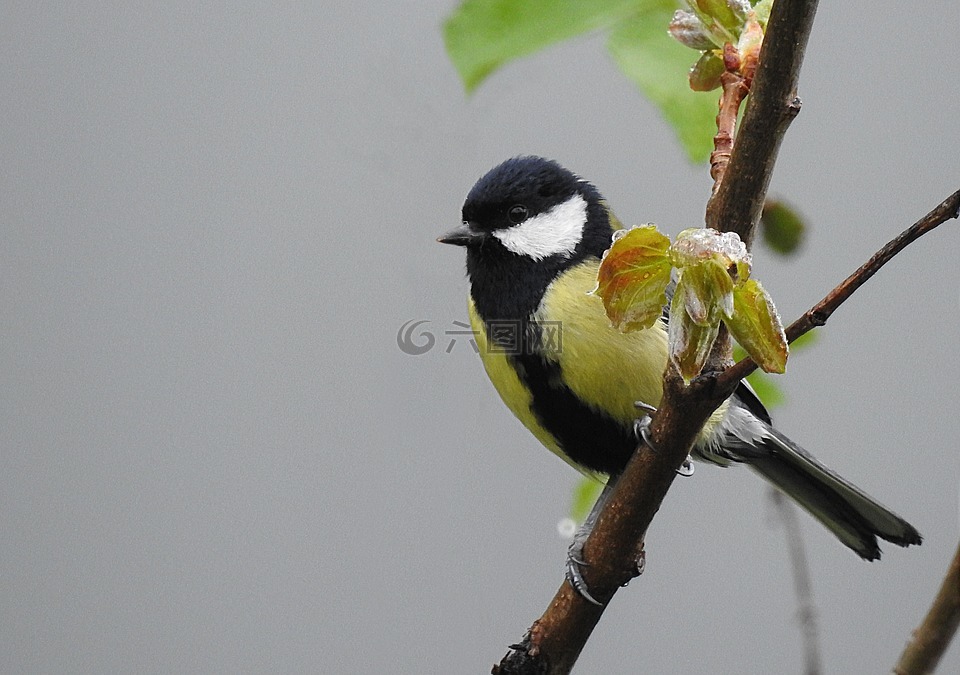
x=819, y=313
x=735, y=82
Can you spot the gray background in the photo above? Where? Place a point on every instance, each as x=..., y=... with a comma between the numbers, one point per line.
x=213, y=455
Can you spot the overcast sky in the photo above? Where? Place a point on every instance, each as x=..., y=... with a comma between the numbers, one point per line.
x=214, y=456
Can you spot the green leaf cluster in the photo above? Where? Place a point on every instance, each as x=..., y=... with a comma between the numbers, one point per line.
x=482, y=35
x=714, y=286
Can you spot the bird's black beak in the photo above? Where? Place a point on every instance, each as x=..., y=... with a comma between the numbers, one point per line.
x=462, y=236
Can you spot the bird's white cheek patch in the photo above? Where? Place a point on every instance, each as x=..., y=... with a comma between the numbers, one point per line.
x=557, y=231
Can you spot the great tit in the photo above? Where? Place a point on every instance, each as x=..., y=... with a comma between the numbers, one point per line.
x=534, y=234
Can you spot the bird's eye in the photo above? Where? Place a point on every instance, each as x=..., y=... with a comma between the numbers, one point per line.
x=517, y=214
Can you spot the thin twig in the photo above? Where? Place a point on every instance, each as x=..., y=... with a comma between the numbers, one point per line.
x=932, y=637
x=819, y=313
x=806, y=609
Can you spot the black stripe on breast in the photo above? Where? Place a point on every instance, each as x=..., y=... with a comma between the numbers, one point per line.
x=587, y=436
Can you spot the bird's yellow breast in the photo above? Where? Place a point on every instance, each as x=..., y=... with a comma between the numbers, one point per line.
x=605, y=369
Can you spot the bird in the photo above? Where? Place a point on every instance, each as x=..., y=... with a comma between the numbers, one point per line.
x=535, y=234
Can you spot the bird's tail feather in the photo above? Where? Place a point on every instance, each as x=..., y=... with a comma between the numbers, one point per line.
x=851, y=514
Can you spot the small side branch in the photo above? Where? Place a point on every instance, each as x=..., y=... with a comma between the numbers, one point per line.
x=819, y=313
x=932, y=637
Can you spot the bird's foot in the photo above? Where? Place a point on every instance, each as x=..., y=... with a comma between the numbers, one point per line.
x=574, y=562
x=641, y=559
x=575, y=559
x=645, y=407
x=641, y=430
x=641, y=426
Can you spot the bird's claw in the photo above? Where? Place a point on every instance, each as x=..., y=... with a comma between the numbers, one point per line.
x=574, y=562
x=641, y=429
x=645, y=407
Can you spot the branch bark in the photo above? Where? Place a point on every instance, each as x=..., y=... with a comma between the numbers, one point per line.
x=931, y=638
x=555, y=640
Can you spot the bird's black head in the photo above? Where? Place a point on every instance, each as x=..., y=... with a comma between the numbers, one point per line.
x=524, y=222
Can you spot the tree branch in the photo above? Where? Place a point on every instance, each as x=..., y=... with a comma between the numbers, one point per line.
x=931, y=638
x=736, y=204
x=554, y=642
x=818, y=314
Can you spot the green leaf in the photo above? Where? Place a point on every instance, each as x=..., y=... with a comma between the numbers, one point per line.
x=659, y=66
x=584, y=496
x=782, y=227
x=705, y=74
x=633, y=277
x=720, y=11
x=767, y=390
x=707, y=291
x=756, y=325
x=482, y=35
x=688, y=341
x=805, y=341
